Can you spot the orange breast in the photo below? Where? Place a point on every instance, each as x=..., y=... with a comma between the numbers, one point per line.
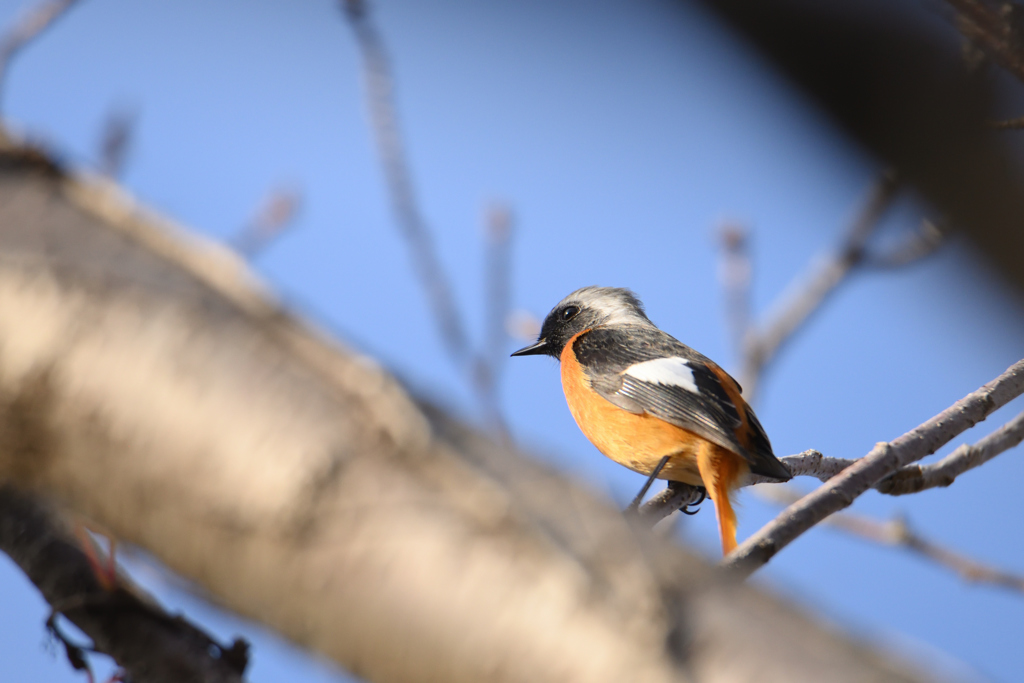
x=636, y=441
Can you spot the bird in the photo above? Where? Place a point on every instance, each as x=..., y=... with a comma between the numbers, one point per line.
x=653, y=404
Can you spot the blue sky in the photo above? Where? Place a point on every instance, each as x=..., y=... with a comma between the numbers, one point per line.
x=622, y=135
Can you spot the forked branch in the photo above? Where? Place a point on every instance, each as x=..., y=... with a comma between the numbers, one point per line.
x=882, y=461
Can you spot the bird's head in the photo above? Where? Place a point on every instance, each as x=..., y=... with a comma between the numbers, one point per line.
x=582, y=310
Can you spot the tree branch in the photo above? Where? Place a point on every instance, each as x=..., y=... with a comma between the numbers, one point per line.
x=1008, y=124
x=883, y=460
x=151, y=645
x=25, y=30
x=914, y=478
x=150, y=383
x=498, y=226
x=274, y=216
x=390, y=148
x=994, y=30
x=898, y=534
x=762, y=345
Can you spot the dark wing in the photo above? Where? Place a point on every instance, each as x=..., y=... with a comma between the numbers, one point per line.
x=644, y=370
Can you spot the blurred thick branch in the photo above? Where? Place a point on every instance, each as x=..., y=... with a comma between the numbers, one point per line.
x=149, y=644
x=151, y=385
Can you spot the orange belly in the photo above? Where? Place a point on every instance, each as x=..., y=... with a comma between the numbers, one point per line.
x=638, y=442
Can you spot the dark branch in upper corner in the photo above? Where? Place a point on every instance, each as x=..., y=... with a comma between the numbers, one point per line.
x=151, y=645
x=25, y=30
x=998, y=29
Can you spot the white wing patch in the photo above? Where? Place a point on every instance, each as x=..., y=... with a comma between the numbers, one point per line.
x=672, y=371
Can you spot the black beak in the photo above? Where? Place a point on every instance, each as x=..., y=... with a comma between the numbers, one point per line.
x=537, y=349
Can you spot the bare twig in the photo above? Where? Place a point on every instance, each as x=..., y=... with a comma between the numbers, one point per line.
x=762, y=345
x=882, y=461
x=897, y=533
x=498, y=227
x=115, y=141
x=383, y=117
x=921, y=243
x=273, y=218
x=735, y=274
x=995, y=29
x=914, y=478
x=1008, y=124
x=908, y=479
x=677, y=495
x=150, y=644
x=25, y=29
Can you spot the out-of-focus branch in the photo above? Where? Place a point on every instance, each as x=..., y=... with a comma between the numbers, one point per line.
x=25, y=30
x=897, y=533
x=761, y=345
x=996, y=29
x=498, y=226
x=388, y=136
x=151, y=384
x=1008, y=124
x=273, y=218
x=115, y=141
x=882, y=461
x=735, y=273
x=921, y=243
x=151, y=645
x=481, y=369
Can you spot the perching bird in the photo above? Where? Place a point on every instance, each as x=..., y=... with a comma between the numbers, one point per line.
x=640, y=395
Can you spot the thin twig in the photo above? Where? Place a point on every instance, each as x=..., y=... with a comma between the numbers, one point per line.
x=921, y=243
x=384, y=120
x=909, y=479
x=994, y=30
x=1008, y=124
x=897, y=533
x=675, y=497
x=761, y=346
x=274, y=217
x=735, y=271
x=115, y=141
x=28, y=27
x=840, y=491
x=498, y=228
x=914, y=478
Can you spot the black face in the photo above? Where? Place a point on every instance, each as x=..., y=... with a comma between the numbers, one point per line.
x=559, y=327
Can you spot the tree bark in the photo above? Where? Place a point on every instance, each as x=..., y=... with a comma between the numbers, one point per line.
x=149, y=384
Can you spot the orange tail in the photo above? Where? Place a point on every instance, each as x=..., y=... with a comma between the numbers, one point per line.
x=720, y=470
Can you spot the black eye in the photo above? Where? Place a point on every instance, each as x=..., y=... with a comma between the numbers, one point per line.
x=569, y=312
